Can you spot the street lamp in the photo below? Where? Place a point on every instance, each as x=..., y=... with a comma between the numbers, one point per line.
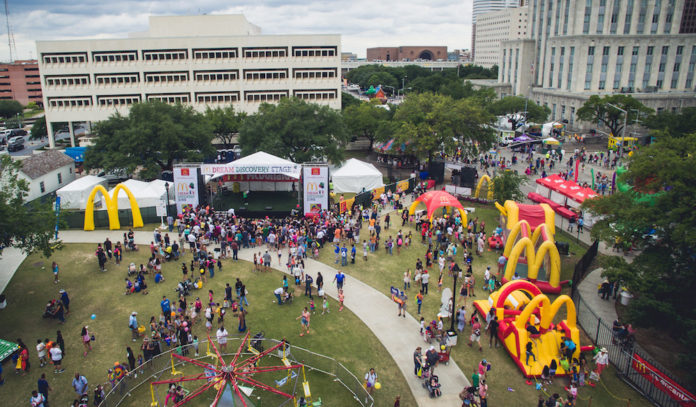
x=390, y=87
x=623, y=132
x=166, y=188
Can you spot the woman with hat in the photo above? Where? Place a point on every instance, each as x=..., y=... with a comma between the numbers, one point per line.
x=602, y=360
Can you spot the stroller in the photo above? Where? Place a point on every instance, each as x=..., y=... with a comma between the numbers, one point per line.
x=468, y=396
x=52, y=309
x=433, y=385
x=184, y=287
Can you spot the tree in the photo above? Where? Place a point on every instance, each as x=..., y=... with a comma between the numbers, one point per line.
x=432, y=123
x=348, y=100
x=150, y=138
x=513, y=108
x=364, y=120
x=38, y=129
x=661, y=275
x=507, y=186
x=382, y=78
x=674, y=124
x=26, y=226
x=225, y=122
x=10, y=108
x=599, y=110
x=296, y=130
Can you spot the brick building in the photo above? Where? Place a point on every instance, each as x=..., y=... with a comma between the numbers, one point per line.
x=20, y=81
x=407, y=53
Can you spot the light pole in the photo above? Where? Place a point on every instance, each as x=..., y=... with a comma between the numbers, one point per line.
x=166, y=188
x=623, y=132
x=390, y=87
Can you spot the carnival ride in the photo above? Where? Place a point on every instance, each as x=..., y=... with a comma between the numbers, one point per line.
x=530, y=248
x=434, y=200
x=520, y=304
x=234, y=381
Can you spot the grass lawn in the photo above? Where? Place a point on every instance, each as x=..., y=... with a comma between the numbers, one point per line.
x=507, y=387
x=339, y=335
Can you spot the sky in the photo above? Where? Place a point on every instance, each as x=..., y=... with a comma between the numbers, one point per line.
x=361, y=23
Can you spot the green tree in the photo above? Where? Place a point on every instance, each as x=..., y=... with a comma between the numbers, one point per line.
x=38, y=220
x=507, y=186
x=599, y=110
x=675, y=124
x=661, y=275
x=363, y=120
x=10, y=108
x=150, y=138
x=382, y=78
x=432, y=123
x=296, y=130
x=225, y=122
x=348, y=100
x=513, y=108
x=38, y=129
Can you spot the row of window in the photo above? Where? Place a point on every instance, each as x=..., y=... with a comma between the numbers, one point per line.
x=200, y=97
x=183, y=76
x=182, y=54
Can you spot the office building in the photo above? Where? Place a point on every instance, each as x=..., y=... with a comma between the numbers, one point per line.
x=494, y=27
x=480, y=7
x=206, y=60
x=643, y=48
x=19, y=80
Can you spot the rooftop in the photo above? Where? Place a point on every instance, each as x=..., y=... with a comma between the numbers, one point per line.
x=41, y=164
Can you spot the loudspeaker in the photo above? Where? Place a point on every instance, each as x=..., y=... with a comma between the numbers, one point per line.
x=437, y=170
x=468, y=177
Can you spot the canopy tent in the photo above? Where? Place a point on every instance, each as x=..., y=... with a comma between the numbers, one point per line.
x=147, y=194
x=577, y=195
x=522, y=138
x=75, y=194
x=547, y=184
x=434, y=200
x=256, y=172
x=356, y=176
x=551, y=141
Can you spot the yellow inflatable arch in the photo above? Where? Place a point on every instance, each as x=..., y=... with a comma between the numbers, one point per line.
x=489, y=182
x=535, y=259
x=112, y=207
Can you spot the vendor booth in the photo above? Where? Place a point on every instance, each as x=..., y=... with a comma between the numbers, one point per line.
x=75, y=194
x=356, y=176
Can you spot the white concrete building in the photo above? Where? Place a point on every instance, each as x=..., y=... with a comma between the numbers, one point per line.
x=47, y=172
x=206, y=60
x=645, y=48
x=492, y=28
x=480, y=7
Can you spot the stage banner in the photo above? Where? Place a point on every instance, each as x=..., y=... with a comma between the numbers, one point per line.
x=662, y=382
x=402, y=186
x=315, y=185
x=345, y=206
x=377, y=192
x=186, y=188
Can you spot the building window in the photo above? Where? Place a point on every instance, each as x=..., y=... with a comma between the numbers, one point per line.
x=590, y=64
x=314, y=52
x=69, y=58
x=600, y=16
x=316, y=94
x=571, y=58
x=261, y=52
x=572, y=115
x=560, y=68
x=615, y=16
x=171, y=98
x=642, y=12
x=656, y=17
x=325, y=73
x=265, y=74
x=217, y=97
x=215, y=53
x=118, y=100
x=629, y=16
x=166, y=77
x=553, y=57
x=215, y=75
x=71, y=101
x=114, y=56
x=588, y=17
x=60, y=178
x=117, y=78
x=265, y=96
x=66, y=80
x=692, y=68
x=165, y=55
x=42, y=187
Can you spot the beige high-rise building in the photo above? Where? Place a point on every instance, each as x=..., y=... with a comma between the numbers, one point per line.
x=494, y=27
x=206, y=60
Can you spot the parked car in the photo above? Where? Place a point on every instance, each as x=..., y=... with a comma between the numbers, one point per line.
x=15, y=144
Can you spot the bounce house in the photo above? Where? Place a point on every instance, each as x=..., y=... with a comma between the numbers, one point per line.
x=434, y=200
x=526, y=315
x=530, y=248
x=638, y=195
x=489, y=185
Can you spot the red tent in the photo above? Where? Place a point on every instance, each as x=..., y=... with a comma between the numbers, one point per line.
x=552, y=181
x=434, y=200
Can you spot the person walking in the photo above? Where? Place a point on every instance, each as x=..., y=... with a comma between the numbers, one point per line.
x=57, y=359
x=44, y=388
x=222, y=337
x=41, y=352
x=60, y=342
x=418, y=362
x=37, y=399
x=475, y=334
x=370, y=380
x=133, y=325
x=308, y=285
x=304, y=323
x=402, y=304
x=425, y=276
x=131, y=359
x=65, y=300
x=55, y=269
x=339, y=279
x=79, y=384
x=86, y=338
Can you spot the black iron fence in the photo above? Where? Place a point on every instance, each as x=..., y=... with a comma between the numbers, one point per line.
x=583, y=265
x=633, y=364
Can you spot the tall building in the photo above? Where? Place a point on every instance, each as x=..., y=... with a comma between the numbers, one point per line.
x=494, y=27
x=645, y=48
x=486, y=6
x=207, y=60
x=20, y=81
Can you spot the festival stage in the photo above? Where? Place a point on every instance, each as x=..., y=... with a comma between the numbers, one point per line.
x=258, y=203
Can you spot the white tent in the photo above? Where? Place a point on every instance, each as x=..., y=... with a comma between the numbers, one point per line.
x=147, y=194
x=257, y=172
x=75, y=194
x=356, y=176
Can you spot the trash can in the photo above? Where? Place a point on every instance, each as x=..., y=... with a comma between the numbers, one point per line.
x=625, y=297
x=216, y=253
x=452, y=338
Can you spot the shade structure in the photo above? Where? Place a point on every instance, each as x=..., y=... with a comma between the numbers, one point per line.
x=257, y=164
x=356, y=176
x=434, y=200
x=147, y=194
x=75, y=194
x=551, y=141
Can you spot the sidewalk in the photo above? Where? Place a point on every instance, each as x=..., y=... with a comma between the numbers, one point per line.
x=400, y=336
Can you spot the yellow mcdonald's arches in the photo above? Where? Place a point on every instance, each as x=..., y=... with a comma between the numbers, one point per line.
x=489, y=182
x=511, y=211
x=516, y=230
x=112, y=207
x=534, y=258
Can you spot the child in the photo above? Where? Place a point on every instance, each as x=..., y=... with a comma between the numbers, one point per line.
x=422, y=326
x=195, y=344
x=341, y=297
x=311, y=305
x=325, y=306
x=140, y=362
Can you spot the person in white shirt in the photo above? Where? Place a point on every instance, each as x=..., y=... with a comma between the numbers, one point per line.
x=41, y=350
x=222, y=337
x=37, y=399
x=57, y=358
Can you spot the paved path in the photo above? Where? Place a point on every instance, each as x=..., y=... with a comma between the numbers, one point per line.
x=604, y=309
x=400, y=336
x=10, y=260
